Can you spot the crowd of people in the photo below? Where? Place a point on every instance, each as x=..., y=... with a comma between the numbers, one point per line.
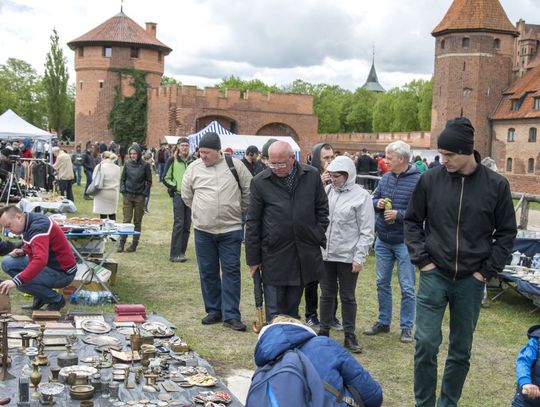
x=309, y=228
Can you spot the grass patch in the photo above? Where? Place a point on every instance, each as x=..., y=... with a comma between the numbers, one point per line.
x=173, y=290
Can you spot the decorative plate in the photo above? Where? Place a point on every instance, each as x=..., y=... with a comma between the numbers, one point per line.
x=95, y=326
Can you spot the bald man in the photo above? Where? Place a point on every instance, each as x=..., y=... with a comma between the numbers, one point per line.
x=286, y=225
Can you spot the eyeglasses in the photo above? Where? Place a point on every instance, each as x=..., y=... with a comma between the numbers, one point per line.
x=277, y=165
x=335, y=176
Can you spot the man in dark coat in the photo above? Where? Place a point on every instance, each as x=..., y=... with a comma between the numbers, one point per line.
x=287, y=221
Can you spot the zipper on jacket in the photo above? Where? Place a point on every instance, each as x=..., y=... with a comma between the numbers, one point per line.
x=458, y=222
x=330, y=230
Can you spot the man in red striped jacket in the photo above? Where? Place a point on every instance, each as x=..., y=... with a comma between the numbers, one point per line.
x=44, y=262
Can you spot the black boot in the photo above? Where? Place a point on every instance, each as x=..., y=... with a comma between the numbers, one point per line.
x=352, y=344
x=324, y=332
x=121, y=246
x=133, y=246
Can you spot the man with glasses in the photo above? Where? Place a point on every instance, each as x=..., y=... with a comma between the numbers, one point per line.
x=286, y=225
x=174, y=172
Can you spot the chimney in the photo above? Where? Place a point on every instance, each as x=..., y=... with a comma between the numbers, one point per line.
x=151, y=29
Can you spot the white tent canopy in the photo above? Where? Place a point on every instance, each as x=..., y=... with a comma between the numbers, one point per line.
x=13, y=127
x=238, y=142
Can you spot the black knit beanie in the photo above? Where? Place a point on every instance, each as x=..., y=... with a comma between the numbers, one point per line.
x=182, y=140
x=266, y=146
x=210, y=140
x=458, y=136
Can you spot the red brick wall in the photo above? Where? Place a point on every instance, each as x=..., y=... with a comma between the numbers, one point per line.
x=524, y=183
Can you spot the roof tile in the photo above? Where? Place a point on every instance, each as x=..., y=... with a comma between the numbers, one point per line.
x=528, y=86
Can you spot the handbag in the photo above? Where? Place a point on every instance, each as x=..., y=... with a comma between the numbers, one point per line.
x=97, y=182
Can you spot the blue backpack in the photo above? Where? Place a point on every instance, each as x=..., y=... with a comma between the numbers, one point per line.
x=288, y=381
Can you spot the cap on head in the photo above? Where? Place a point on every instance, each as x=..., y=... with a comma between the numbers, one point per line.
x=266, y=146
x=182, y=140
x=210, y=140
x=457, y=136
x=252, y=150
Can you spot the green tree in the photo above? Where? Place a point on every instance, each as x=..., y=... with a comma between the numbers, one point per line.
x=424, y=105
x=383, y=112
x=405, y=111
x=169, y=80
x=127, y=118
x=234, y=82
x=55, y=82
x=21, y=92
x=360, y=115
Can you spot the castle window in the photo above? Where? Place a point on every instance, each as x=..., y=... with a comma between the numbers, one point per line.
x=160, y=56
x=80, y=85
x=134, y=52
x=530, y=166
x=496, y=43
x=532, y=135
x=508, y=165
x=464, y=65
x=107, y=52
x=443, y=43
x=511, y=135
x=81, y=52
x=101, y=84
x=515, y=105
x=465, y=43
x=536, y=103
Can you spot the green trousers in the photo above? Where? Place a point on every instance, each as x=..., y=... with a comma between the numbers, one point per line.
x=435, y=292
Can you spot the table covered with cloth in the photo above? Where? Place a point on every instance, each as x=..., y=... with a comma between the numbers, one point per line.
x=181, y=397
x=64, y=206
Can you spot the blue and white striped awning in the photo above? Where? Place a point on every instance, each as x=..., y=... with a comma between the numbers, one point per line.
x=212, y=127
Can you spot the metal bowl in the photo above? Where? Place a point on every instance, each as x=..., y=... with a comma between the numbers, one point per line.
x=81, y=392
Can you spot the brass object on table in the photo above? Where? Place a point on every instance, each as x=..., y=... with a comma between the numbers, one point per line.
x=81, y=392
x=55, y=370
x=4, y=350
x=35, y=379
x=68, y=358
x=41, y=359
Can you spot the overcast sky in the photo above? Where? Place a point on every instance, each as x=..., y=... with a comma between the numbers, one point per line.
x=276, y=41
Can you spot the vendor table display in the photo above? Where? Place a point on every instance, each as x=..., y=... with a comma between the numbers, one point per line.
x=58, y=204
x=523, y=280
x=116, y=364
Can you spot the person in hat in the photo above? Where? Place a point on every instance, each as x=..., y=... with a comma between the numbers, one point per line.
x=216, y=188
x=174, y=172
x=264, y=150
x=252, y=162
x=460, y=227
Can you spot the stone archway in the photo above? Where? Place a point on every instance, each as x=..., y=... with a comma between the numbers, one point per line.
x=227, y=122
x=278, y=129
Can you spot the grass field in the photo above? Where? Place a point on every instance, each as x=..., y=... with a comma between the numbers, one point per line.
x=172, y=290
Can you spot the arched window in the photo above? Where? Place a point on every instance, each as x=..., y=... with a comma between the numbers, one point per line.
x=496, y=43
x=511, y=135
x=532, y=135
x=465, y=43
x=508, y=165
x=530, y=166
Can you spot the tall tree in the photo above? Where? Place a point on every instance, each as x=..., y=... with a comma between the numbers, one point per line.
x=20, y=91
x=234, y=82
x=55, y=82
x=169, y=80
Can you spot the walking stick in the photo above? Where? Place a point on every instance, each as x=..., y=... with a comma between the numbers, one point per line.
x=256, y=326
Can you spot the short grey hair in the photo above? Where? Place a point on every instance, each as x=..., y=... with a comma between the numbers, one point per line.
x=399, y=148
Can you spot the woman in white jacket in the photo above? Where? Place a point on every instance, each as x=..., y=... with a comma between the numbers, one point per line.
x=349, y=237
x=106, y=199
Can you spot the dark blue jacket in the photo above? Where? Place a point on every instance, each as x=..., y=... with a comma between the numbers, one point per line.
x=399, y=189
x=333, y=363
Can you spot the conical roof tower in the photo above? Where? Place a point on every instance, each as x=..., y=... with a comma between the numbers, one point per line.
x=372, y=82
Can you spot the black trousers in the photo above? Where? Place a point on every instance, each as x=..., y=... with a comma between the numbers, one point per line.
x=181, y=226
x=311, y=296
x=282, y=300
x=66, y=189
x=338, y=272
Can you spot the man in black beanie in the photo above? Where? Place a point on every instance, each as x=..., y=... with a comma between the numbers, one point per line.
x=459, y=228
x=216, y=188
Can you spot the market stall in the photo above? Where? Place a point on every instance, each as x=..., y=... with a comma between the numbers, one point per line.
x=89, y=356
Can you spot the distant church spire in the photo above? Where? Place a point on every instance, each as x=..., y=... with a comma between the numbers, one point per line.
x=372, y=82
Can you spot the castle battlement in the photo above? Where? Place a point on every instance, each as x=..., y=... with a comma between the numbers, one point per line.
x=213, y=98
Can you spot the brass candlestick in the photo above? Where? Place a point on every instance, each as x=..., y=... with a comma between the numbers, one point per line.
x=4, y=374
x=41, y=358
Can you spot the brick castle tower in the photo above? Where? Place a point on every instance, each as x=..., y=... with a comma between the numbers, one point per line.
x=474, y=46
x=118, y=43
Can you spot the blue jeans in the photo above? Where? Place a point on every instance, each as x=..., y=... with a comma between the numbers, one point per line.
x=160, y=167
x=386, y=255
x=77, y=168
x=88, y=174
x=41, y=286
x=221, y=292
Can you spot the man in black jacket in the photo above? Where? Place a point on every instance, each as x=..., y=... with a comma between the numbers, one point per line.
x=286, y=225
x=459, y=228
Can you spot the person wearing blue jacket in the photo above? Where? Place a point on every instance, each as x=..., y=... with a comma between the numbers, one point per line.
x=390, y=201
x=528, y=372
x=333, y=363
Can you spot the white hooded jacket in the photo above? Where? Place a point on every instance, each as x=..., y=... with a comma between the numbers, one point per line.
x=350, y=233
